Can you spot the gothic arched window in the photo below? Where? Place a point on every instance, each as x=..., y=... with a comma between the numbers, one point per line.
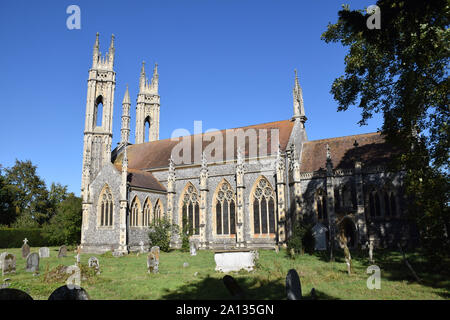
x=190, y=212
x=158, y=212
x=321, y=205
x=134, y=216
x=147, y=122
x=98, y=112
x=263, y=200
x=147, y=213
x=106, y=207
x=225, y=205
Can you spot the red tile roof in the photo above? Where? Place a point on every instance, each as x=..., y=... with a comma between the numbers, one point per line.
x=156, y=154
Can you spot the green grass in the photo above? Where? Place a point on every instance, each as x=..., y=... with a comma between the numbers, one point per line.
x=127, y=278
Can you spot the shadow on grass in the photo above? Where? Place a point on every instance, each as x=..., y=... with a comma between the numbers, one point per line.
x=254, y=289
x=393, y=268
x=214, y=289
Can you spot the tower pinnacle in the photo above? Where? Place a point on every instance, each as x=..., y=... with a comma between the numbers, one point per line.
x=299, y=111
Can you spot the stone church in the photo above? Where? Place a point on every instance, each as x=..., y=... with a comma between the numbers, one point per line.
x=234, y=188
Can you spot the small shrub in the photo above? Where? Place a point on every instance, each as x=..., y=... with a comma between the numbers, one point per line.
x=186, y=233
x=302, y=240
x=160, y=233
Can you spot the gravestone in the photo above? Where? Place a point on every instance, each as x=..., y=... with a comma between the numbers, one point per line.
x=62, y=251
x=293, y=285
x=313, y=294
x=32, y=262
x=235, y=260
x=25, y=248
x=8, y=264
x=2, y=256
x=155, y=250
x=66, y=293
x=152, y=263
x=44, y=252
x=277, y=249
x=193, y=249
x=95, y=264
x=141, y=247
x=185, y=265
x=233, y=287
x=14, y=294
x=320, y=235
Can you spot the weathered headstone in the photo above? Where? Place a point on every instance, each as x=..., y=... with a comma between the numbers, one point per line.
x=32, y=262
x=155, y=250
x=141, y=247
x=25, y=248
x=185, y=265
x=66, y=293
x=5, y=283
x=293, y=285
x=2, y=256
x=14, y=294
x=62, y=251
x=94, y=263
x=320, y=235
x=152, y=263
x=193, y=249
x=44, y=252
x=233, y=287
x=8, y=264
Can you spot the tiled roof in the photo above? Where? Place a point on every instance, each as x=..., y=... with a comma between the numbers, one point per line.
x=156, y=154
x=372, y=150
x=142, y=179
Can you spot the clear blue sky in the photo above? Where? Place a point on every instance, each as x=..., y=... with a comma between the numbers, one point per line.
x=229, y=63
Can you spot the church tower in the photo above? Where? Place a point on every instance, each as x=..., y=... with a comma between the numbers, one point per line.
x=99, y=113
x=147, y=108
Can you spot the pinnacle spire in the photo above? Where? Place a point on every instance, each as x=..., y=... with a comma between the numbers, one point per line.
x=299, y=111
x=143, y=68
x=111, y=46
x=96, y=45
x=155, y=70
x=126, y=97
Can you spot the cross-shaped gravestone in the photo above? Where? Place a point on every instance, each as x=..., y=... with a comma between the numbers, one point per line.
x=25, y=248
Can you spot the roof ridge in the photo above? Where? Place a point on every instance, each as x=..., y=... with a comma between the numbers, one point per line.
x=351, y=135
x=211, y=132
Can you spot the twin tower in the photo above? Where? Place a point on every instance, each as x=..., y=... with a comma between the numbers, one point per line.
x=99, y=111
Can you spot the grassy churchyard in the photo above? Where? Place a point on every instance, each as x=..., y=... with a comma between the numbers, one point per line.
x=127, y=278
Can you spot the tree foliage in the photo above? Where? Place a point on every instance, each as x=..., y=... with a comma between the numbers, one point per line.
x=160, y=233
x=7, y=207
x=30, y=193
x=401, y=72
x=65, y=226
